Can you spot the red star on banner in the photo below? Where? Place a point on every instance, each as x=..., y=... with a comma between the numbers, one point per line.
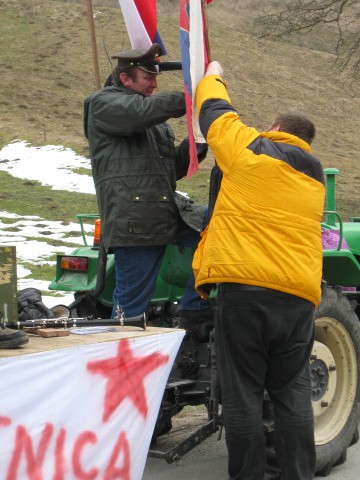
x=125, y=374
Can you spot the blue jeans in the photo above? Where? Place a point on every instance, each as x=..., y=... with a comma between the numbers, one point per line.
x=137, y=269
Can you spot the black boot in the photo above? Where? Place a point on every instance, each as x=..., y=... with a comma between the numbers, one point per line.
x=12, y=338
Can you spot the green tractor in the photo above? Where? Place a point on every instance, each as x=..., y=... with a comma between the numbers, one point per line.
x=335, y=359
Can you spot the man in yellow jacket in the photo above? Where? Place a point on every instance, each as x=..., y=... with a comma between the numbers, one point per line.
x=262, y=250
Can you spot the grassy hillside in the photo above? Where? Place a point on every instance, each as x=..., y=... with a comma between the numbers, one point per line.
x=47, y=70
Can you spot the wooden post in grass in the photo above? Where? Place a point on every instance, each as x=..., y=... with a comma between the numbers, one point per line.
x=206, y=30
x=93, y=44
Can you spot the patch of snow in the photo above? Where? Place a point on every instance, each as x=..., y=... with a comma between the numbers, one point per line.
x=51, y=166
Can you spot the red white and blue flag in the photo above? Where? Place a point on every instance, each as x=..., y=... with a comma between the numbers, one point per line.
x=141, y=23
x=195, y=59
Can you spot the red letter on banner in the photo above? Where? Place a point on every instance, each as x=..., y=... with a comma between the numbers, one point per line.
x=59, y=456
x=123, y=473
x=84, y=438
x=23, y=442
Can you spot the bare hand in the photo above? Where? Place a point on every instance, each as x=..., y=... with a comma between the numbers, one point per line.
x=214, y=68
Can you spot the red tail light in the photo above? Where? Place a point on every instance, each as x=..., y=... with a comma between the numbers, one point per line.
x=79, y=264
x=97, y=233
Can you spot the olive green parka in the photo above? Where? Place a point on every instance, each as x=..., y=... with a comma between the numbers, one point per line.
x=135, y=165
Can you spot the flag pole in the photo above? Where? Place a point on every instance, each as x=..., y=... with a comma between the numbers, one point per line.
x=216, y=174
x=93, y=44
x=206, y=29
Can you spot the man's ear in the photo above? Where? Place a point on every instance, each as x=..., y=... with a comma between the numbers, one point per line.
x=125, y=79
x=275, y=127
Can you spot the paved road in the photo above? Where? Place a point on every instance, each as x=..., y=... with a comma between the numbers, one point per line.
x=208, y=461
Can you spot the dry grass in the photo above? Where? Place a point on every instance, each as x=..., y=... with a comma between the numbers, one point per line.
x=47, y=71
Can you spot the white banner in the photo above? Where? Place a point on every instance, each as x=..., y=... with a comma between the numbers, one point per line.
x=85, y=412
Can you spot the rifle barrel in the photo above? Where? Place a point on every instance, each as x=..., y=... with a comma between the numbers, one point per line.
x=167, y=66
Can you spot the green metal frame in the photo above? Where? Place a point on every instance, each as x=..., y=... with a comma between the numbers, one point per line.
x=340, y=266
x=83, y=216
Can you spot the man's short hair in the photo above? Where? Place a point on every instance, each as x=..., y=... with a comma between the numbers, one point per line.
x=296, y=123
x=130, y=72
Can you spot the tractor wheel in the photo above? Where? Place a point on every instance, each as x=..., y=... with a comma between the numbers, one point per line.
x=335, y=377
x=335, y=374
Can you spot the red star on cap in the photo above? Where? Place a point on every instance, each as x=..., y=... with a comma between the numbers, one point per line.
x=125, y=374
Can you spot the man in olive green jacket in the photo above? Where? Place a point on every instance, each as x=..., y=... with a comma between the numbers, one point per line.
x=135, y=167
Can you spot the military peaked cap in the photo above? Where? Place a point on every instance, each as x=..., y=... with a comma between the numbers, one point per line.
x=147, y=60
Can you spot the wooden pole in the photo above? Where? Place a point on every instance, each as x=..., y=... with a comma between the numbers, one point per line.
x=206, y=30
x=93, y=44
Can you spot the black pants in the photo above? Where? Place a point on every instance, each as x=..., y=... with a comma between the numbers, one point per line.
x=263, y=341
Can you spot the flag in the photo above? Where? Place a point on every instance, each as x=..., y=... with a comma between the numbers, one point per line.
x=194, y=57
x=85, y=411
x=141, y=23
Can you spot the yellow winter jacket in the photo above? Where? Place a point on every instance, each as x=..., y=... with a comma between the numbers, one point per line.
x=265, y=228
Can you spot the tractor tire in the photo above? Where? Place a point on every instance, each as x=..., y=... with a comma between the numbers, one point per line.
x=335, y=373
x=335, y=377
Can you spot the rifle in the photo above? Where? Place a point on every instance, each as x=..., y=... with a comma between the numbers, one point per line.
x=167, y=66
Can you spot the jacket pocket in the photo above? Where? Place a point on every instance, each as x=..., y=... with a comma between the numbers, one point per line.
x=151, y=212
